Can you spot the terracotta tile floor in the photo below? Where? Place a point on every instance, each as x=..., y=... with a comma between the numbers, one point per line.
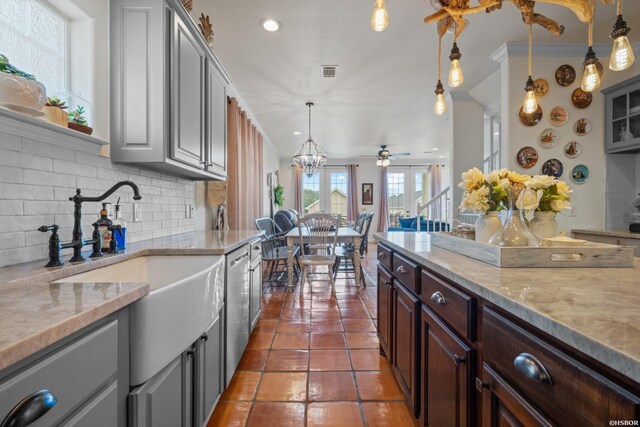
x=313, y=360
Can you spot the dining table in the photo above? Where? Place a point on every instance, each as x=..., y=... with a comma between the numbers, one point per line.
x=345, y=235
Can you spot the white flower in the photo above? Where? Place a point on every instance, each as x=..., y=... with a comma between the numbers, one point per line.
x=504, y=183
x=529, y=199
x=503, y=172
x=563, y=188
x=471, y=179
x=560, y=205
x=476, y=201
x=493, y=178
x=541, y=181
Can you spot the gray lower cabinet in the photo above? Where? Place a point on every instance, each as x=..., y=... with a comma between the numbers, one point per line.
x=168, y=91
x=237, y=302
x=88, y=373
x=255, y=302
x=185, y=392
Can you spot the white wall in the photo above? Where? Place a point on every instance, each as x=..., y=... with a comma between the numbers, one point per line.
x=587, y=198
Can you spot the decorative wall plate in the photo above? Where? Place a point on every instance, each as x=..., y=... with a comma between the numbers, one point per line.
x=582, y=127
x=527, y=157
x=553, y=167
x=548, y=138
x=541, y=87
x=565, y=75
x=580, y=174
x=558, y=116
x=581, y=99
x=530, y=119
x=572, y=149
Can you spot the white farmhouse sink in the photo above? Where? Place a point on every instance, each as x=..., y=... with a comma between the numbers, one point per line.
x=185, y=299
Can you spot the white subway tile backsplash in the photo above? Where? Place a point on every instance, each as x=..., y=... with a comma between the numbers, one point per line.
x=37, y=178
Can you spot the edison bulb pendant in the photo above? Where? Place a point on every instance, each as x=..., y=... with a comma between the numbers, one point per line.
x=590, y=78
x=379, y=17
x=530, y=104
x=440, y=107
x=456, y=78
x=622, y=56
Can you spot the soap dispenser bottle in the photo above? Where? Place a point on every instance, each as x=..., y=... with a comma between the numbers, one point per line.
x=120, y=229
x=104, y=226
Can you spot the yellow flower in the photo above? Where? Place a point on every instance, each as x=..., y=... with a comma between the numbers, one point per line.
x=476, y=201
x=518, y=178
x=529, y=199
x=471, y=179
x=560, y=205
x=541, y=181
x=563, y=188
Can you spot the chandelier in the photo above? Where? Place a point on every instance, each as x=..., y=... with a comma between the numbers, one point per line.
x=309, y=155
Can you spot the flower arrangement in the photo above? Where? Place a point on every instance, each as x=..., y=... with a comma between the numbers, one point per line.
x=543, y=193
x=490, y=192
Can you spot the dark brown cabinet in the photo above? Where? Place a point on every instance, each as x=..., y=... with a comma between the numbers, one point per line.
x=385, y=311
x=406, y=312
x=447, y=369
x=502, y=406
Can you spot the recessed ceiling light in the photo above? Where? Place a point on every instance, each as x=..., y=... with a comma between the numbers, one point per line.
x=441, y=157
x=435, y=149
x=496, y=133
x=297, y=133
x=271, y=25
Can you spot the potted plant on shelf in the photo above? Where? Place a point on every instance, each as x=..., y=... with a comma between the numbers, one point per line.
x=78, y=122
x=54, y=111
x=278, y=195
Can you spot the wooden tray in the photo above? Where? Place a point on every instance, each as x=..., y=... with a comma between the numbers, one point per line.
x=590, y=255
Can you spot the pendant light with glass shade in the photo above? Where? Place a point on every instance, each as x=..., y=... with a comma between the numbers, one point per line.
x=440, y=107
x=309, y=156
x=456, y=78
x=590, y=75
x=379, y=17
x=530, y=104
x=622, y=56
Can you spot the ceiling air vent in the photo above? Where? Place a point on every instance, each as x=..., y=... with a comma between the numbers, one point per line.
x=329, y=71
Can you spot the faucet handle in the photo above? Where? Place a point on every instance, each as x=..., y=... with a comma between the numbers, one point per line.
x=54, y=245
x=53, y=228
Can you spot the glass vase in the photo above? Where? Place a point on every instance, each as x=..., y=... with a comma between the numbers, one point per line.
x=514, y=231
x=486, y=226
x=544, y=225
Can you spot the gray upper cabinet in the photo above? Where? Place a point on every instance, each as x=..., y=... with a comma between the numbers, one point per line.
x=622, y=116
x=168, y=91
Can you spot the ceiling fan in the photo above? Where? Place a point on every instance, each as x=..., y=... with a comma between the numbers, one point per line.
x=384, y=156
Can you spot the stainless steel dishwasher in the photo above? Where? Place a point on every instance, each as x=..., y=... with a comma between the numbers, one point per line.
x=237, y=309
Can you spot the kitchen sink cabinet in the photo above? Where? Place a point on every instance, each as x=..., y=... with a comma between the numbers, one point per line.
x=406, y=361
x=87, y=372
x=210, y=363
x=447, y=365
x=168, y=91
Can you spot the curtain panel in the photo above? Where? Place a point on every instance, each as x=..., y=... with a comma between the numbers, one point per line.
x=244, y=172
x=352, y=192
x=383, y=218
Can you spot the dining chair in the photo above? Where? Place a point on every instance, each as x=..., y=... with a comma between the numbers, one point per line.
x=275, y=251
x=345, y=254
x=318, y=235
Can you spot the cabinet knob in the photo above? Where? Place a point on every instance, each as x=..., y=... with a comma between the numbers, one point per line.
x=381, y=255
x=30, y=409
x=531, y=367
x=438, y=298
x=459, y=359
x=204, y=337
x=401, y=270
x=191, y=353
x=480, y=385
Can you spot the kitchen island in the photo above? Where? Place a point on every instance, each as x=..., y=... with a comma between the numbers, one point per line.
x=480, y=326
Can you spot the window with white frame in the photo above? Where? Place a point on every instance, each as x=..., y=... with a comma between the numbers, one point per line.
x=406, y=187
x=492, y=141
x=338, y=193
x=34, y=39
x=325, y=191
x=311, y=193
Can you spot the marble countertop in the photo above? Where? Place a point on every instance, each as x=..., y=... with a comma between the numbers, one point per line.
x=594, y=310
x=35, y=313
x=620, y=232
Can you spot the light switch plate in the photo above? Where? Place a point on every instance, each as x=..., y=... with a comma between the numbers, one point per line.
x=137, y=212
x=192, y=211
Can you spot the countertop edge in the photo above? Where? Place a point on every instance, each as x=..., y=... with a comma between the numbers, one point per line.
x=20, y=350
x=612, y=233
x=620, y=362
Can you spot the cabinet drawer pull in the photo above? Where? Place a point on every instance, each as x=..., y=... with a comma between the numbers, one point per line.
x=401, y=270
x=531, y=367
x=30, y=409
x=204, y=337
x=438, y=298
x=458, y=359
x=381, y=255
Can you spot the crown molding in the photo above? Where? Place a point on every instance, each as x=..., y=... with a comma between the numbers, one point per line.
x=551, y=50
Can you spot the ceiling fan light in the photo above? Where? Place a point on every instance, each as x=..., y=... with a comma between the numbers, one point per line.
x=379, y=17
x=385, y=163
x=379, y=162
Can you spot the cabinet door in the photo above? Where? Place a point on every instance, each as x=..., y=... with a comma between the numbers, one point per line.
x=216, y=145
x=447, y=369
x=502, y=406
x=210, y=358
x=159, y=401
x=101, y=411
x=385, y=311
x=187, y=104
x=406, y=344
x=256, y=295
